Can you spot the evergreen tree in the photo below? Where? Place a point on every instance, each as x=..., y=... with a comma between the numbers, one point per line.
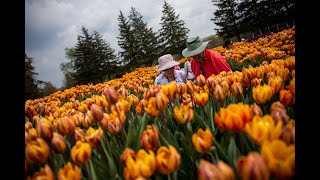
x=94, y=58
x=32, y=90
x=126, y=40
x=227, y=18
x=145, y=41
x=173, y=33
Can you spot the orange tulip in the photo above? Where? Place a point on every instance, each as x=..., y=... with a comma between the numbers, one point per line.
x=252, y=166
x=287, y=98
x=69, y=171
x=262, y=94
x=65, y=125
x=281, y=164
x=234, y=117
x=276, y=83
x=221, y=170
x=167, y=159
x=97, y=112
x=292, y=86
x=202, y=140
x=256, y=110
x=44, y=173
x=79, y=134
x=94, y=136
x=81, y=152
x=151, y=108
x=111, y=94
x=236, y=89
x=288, y=133
x=161, y=101
x=219, y=93
x=37, y=151
x=201, y=99
x=45, y=129
x=128, y=152
x=150, y=138
x=183, y=114
x=200, y=80
x=112, y=123
x=261, y=129
x=58, y=143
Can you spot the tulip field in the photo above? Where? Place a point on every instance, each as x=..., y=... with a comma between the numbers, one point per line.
x=236, y=125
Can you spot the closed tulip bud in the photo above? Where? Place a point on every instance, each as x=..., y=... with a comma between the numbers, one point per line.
x=219, y=94
x=200, y=80
x=202, y=140
x=45, y=129
x=81, y=152
x=58, y=143
x=287, y=98
x=44, y=173
x=288, y=133
x=128, y=152
x=182, y=88
x=201, y=99
x=255, y=82
x=161, y=101
x=86, y=122
x=122, y=91
x=221, y=170
x=37, y=151
x=111, y=94
x=256, y=110
x=69, y=171
x=252, y=167
x=79, y=134
x=167, y=159
x=225, y=85
x=65, y=125
x=150, y=138
x=94, y=136
x=97, y=112
x=277, y=106
x=236, y=89
x=190, y=87
x=280, y=116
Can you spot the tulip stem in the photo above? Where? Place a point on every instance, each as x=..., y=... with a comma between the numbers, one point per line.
x=240, y=143
x=205, y=117
x=164, y=123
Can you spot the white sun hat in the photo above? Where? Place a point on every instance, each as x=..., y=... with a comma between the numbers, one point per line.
x=166, y=62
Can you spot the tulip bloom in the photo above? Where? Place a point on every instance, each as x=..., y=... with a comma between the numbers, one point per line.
x=44, y=173
x=65, y=125
x=167, y=159
x=45, y=129
x=161, y=101
x=292, y=86
x=276, y=83
x=111, y=94
x=221, y=170
x=69, y=171
x=112, y=123
x=287, y=98
x=183, y=114
x=202, y=140
x=262, y=94
x=256, y=110
x=79, y=134
x=37, y=151
x=200, y=80
x=219, y=93
x=94, y=136
x=280, y=158
x=288, y=133
x=97, y=112
x=58, y=143
x=263, y=128
x=150, y=138
x=236, y=89
x=81, y=152
x=252, y=166
x=201, y=99
x=128, y=152
x=234, y=117
x=151, y=108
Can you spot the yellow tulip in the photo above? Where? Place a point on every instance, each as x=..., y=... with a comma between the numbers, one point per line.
x=262, y=94
x=37, y=151
x=201, y=99
x=94, y=136
x=81, y=152
x=45, y=129
x=183, y=114
x=44, y=173
x=69, y=171
x=276, y=83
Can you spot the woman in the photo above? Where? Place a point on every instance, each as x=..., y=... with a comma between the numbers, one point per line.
x=168, y=73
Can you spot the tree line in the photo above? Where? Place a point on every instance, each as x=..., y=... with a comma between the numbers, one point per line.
x=93, y=60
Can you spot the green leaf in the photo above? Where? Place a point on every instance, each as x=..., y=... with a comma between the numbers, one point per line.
x=233, y=151
x=131, y=134
x=142, y=127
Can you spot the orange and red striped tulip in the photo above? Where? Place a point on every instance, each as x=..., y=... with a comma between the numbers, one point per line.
x=58, y=143
x=201, y=99
x=150, y=138
x=45, y=129
x=94, y=136
x=44, y=173
x=69, y=171
x=167, y=159
x=183, y=114
x=262, y=94
x=206, y=170
x=81, y=152
x=252, y=166
x=97, y=112
x=37, y=151
x=287, y=98
x=202, y=140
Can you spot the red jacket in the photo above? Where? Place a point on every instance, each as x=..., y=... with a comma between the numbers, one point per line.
x=212, y=64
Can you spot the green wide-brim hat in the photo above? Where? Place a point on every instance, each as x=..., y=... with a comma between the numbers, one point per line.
x=194, y=46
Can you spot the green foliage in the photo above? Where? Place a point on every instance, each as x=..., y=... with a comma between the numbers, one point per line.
x=32, y=91
x=237, y=66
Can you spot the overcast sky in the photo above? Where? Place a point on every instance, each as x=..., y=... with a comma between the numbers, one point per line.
x=53, y=25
